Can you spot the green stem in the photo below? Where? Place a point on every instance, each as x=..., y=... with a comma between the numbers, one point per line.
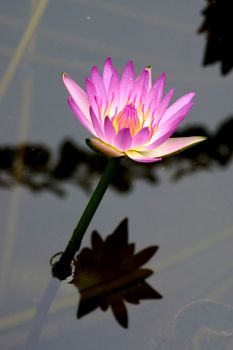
x=62, y=268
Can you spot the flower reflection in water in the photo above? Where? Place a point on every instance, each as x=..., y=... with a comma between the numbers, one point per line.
x=110, y=274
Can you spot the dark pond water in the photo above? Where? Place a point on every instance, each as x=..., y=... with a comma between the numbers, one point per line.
x=47, y=173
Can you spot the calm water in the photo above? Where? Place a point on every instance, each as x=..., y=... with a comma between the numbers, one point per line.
x=183, y=205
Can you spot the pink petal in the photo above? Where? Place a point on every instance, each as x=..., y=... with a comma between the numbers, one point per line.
x=139, y=157
x=140, y=138
x=176, y=106
x=173, y=145
x=97, y=126
x=114, y=91
x=99, y=86
x=166, y=130
x=149, y=70
x=78, y=113
x=123, y=139
x=126, y=84
x=174, y=121
x=107, y=72
x=140, y=86
x=109, y=130
x=78, y=94
x=158, y=113
x=104, y=148
x=92, y=94
x=155, y=94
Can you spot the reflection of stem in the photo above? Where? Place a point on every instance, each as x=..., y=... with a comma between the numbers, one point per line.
x=22, y=47
x=41, y=314
x=196, y=343
x=62, y=269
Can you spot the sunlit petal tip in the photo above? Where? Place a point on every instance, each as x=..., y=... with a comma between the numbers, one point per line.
x=130, y=63
x=171, y=91
x=107, y=70
x=149, y=70
x=163, y=77
x=182, y=143
x=160, y=82
x=188, y=97
x=129, y=70
x=63, y=75
x=94, y=69
x=202, y=138
x=192, y=93
x=67, y=80
x=108, y=60
x=77, y=93
x=173, y=146
x=126, y=82
x=101, y=147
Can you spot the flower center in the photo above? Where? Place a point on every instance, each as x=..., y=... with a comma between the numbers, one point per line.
x=127, y=118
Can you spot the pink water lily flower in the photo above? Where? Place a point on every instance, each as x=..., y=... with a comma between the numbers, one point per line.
x=129, y=116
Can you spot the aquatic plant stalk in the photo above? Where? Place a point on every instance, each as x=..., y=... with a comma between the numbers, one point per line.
x=62, y=268
x=128, y=117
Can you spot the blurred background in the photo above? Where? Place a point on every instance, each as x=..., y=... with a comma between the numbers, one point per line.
x=47, y=173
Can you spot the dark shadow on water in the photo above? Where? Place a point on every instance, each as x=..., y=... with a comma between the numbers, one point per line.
x=35, y=167
x=110, y=273
x=217, y=150
x=218, y=28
